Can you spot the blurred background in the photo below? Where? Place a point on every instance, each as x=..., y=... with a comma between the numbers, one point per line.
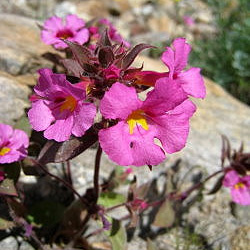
x=219, y=31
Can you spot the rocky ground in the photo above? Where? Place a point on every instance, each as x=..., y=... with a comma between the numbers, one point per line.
x=140, y=21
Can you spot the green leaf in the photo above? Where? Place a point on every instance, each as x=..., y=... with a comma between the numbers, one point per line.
x=150, y=245
x=111, y=199
x=47, y=212
x=23, y=124
x=5, y=224
x=7, y=187
x=165, y=216
x=117, y=235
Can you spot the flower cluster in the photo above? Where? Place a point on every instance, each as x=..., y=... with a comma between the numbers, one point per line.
x=13, y=145
x=133, y=131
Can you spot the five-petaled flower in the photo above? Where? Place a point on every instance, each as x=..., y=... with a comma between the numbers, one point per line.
x=239, y=187
x=164, y=115
x=13, y=144
x=54, y=30
x=60, y=108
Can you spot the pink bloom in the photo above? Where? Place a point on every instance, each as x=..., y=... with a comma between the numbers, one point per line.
x=13, y=144
x=60, y=110
x=73, y=29
x=239, y=186
x=188, y=20
x=163, y=115
x=112, y=72
x=176, y=60
x=2, y=176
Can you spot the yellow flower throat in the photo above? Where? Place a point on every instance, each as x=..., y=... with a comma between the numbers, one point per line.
x=239, y=185
x=137, y=117
x=4, y=151
x=69, y=103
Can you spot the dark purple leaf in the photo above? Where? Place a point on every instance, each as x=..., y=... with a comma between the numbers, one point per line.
x=133, y=53
x=89, y=68
x=217, y=185
x=62, y=151
x=72, y=66
x=105, y=56
x=105, y=39
x=81, y=53
x=29, y=167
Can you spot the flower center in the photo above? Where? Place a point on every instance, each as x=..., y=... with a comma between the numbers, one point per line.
x=137, y=117
x=69, y=104
x=239, y=185
x=4, y=151
x=64, y=34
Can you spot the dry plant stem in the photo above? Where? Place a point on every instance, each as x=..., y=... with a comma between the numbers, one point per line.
x=20, y=221
x=84, y=201
x=68, y=171
x=96, y=173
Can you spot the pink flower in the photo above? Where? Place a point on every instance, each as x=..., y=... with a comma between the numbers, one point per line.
x=13, y=144
x=60, y=109
x=176, y=60
x=239, y=186
x=188, y=20
x=73, y=29
x=163, y=115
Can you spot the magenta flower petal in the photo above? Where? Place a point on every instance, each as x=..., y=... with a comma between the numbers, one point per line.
x=74, y=22
x=45, y=84
x=231, y=178
x=49, y=37
x=176, y=59
x=168, y=57
x=81, y=37
x=241, y=195
x=5, y=132
x=13, y=144
x=193, y=83
x=60, y=130
x=40, y=109
x=166, y=95
x=19, y=139
x=173, y=128
x=182, y=50
x=125, y=149
x=119, y=101
x=54, y=23
x=246, y=180
x=83, y=118
x=131, y=140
